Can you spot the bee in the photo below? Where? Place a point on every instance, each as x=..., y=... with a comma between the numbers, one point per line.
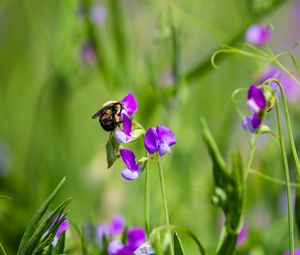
x=109, y=115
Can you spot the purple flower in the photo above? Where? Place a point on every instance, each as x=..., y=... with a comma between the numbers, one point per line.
x=135, y=238
x=114, y=247
x=98, y=14
x=115, y=227
x=159, y=139
x=133, y=170
x=258, y=34
x=64, y=226
x=256, y=99
x=291, y=89
x=296, y=252
x=251, y=124
x=125, y=135
x=242, y=236
x=129, y=104
x=102, y=230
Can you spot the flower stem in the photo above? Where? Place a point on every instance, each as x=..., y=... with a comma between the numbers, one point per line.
x=287, y=179
x=253, y=142
x=289, y=127
x=164, y=198
x=147, y=201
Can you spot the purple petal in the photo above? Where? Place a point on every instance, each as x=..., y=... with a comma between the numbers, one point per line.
x=64, y=226
x=129, y=104
x=242, y=236
x=114, y=247
x=127, y=124
x=129, y=159
x=126, y=250
x=165, y=135
x=256, y=99
x=163, y=148
x=122, y=137
x=296, y=252
x=251, y=124
x=116, y=225
x=256, y=121
x=258, y=34
x=151, y=140
x=136, y=237
x=130, y=175
x=102, y=230
x=247, y=124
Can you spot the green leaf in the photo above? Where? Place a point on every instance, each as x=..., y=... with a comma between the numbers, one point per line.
x=155, y=235
x=112, y=148
x=60, y=246
x=178, y=249
x=39, y=239
x=228, y=192
x=36, y=219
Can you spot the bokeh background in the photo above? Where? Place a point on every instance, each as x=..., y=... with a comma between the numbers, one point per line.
x=61, y=60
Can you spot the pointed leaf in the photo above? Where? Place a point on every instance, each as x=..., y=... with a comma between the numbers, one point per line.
x=112, y=148
x=37, y=217
x=178, y=249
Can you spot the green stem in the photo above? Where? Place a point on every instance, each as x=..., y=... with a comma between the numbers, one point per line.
x=164, y=198
x=253, y=142
x=289, y=126
x=287, y=178
x=147, y=201
x=272, y=179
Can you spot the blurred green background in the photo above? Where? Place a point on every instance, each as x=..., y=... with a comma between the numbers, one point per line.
x=61, y=60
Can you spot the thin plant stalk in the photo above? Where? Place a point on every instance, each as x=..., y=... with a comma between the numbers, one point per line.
x=253, y=142
x=288, y=184
x=289, y=126
x=164, y=198
x=147, y=201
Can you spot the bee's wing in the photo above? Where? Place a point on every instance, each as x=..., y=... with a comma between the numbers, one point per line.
x=97, y=114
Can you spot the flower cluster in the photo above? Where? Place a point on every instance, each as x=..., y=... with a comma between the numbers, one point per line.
x=256, y=101
x=114, y=230
x=156, y=139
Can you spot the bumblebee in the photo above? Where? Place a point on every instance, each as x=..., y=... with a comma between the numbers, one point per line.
x=109, y=115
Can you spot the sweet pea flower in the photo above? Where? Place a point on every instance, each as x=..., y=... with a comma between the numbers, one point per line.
x=256, y=99
x=258, y=34
x=159, y=139
x=125, y=135
x=115, y=227
x=133, y=170
x=296, y=252
x=135, y=238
